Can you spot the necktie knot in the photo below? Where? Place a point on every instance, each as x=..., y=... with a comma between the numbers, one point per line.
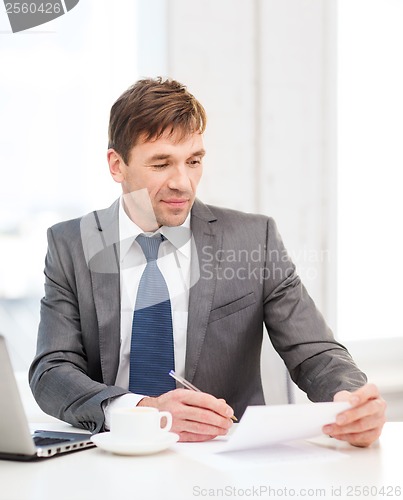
x=150, y=245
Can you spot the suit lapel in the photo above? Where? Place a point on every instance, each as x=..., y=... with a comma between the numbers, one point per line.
x=103, y=261
x=207, y=239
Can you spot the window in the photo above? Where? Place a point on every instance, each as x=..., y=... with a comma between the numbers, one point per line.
x=370, y=159
x=58, y=83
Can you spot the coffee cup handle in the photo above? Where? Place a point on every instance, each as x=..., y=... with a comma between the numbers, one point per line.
x=168, y=423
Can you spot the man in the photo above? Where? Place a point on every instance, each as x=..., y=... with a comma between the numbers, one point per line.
x=105, y=339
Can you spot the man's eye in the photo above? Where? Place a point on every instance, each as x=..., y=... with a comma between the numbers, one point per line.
x=194, y=162
x=160, y=166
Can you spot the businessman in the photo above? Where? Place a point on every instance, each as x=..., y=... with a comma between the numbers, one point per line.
x=161, y=281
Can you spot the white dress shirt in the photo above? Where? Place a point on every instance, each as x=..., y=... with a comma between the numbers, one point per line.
x=174, y=263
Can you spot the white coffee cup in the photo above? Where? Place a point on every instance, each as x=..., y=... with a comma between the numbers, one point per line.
x=139, y=424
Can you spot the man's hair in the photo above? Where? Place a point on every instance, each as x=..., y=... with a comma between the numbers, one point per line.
x=150, y=108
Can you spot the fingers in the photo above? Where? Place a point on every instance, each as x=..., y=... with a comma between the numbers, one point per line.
x=361, y=439
x=362, y=424
x=196, y=416
x=364, y=393
x=190, y=437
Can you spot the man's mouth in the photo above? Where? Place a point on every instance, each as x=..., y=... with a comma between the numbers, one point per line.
x=176, y=202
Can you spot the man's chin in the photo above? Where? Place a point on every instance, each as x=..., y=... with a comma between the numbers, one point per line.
x=172, y=220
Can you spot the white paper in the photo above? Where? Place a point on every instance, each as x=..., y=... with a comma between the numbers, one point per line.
x=290, y=452
x=267, y=425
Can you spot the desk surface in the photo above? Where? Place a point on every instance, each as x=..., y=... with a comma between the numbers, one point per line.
x=343, y=472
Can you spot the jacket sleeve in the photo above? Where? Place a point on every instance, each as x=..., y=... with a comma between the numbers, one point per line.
x=65, y=380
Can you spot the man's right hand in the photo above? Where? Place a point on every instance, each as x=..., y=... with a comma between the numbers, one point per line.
x=196, y=416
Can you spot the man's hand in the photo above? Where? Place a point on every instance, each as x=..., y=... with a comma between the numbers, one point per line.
x=196, y=416
x=362, y=424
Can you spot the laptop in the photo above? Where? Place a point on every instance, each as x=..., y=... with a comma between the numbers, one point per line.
x=16, y=440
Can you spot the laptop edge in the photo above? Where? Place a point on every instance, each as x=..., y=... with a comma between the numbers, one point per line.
x=16, y=440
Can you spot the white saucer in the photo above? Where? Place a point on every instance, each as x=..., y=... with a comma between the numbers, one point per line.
x=107, y=441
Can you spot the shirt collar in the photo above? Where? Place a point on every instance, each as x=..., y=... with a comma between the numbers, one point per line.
x=178, y=236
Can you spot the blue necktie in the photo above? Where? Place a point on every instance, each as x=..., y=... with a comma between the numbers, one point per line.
x=152, y=349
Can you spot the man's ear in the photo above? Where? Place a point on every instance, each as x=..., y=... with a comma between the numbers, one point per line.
x=117, y=166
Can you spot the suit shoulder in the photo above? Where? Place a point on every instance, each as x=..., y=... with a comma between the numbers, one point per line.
x=232, y=216
x=93, y=220
x=66, y=228
x=70, y=233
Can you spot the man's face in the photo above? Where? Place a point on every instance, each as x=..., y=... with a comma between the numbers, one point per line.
x=160, y=180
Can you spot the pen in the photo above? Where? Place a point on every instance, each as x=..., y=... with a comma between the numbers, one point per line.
x=190, y=386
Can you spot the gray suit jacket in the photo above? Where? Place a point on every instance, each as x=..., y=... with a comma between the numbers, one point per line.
x=243, y=279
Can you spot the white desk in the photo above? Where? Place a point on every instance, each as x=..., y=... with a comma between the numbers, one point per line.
x=96, y=475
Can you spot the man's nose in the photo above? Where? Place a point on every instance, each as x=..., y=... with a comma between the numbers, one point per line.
x=180, y=180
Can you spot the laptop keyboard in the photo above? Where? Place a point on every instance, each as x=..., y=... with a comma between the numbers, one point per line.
x=46, y=441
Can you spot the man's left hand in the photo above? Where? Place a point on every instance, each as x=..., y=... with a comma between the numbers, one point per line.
x=362, y=424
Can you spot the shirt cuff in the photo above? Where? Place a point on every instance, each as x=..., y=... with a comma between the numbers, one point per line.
x=125, y=401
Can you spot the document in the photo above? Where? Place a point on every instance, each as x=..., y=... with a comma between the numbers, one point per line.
x=269, y=435
x=262, y=426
